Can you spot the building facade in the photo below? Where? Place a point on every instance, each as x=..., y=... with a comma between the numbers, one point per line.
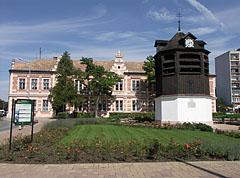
x=34, y=80
x=227, y=67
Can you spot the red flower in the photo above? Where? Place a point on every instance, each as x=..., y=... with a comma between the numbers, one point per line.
x=77, y=150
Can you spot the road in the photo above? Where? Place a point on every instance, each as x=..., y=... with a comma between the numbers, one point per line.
x=5, y=124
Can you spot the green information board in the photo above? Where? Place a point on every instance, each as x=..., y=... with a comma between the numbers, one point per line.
x=23, y=112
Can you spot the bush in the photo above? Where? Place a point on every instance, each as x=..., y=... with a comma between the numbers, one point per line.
x=228, y=151
x=233, y=123
x=62, y=115
x=233, y=134
x=204, y=127
x=87, y=114
x=139, y=116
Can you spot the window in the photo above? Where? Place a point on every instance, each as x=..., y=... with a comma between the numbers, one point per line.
x=119, y=105
x=45, y=84
x=135, y=105
x=135, y=85
x=21, y=84
x=119, y=86
x=78, y=85
x=45, y=105
x=34, y=84
x=102, y=105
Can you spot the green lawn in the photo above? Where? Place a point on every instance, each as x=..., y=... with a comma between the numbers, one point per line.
x=112, y=132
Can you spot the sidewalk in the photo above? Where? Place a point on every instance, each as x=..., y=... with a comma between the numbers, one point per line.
x=4, y=135
x=201, y=169
x=226, y=127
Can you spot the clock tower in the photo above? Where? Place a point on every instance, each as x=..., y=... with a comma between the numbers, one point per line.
x=182, y=80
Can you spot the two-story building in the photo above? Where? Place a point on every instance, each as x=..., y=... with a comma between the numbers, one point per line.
x=33, y=80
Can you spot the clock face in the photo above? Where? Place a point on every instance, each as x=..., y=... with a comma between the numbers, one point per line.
x=189, y=43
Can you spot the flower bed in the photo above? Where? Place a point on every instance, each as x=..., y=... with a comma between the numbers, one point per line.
x=168, y=126
x=48, y=148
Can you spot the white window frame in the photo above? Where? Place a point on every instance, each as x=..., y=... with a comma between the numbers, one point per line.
x=19, y=85
x=44, y=105
x=136, y=105
x=43, y=86
x=102, y=105
x=135, y=85
x=78, y=85
x=119, y=105
x=34, y=85
x=119, y=86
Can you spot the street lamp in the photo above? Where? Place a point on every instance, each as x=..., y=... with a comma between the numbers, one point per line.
x=29, y=73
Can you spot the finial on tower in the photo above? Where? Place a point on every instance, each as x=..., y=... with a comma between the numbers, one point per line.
x=119, y=57
x=179, y=15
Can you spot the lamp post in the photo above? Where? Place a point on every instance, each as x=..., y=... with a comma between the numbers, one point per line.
x=29, y=73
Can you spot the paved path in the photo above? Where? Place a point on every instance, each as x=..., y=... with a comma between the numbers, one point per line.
x=226, y=127
x=159, y=169
x=4, y=135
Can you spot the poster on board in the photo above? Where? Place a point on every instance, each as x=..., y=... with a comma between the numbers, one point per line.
x=23, y=112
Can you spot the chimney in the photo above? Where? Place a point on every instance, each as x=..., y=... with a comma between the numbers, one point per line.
x=13, y=63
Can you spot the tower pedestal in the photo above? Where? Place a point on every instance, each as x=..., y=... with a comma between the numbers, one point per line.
x=183, y=108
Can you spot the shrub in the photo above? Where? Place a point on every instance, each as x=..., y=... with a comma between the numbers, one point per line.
x=233, y=134
x=204, y=127
x=233, y=123
x=87, y=114
x=62, y=115
x=228, y=151
x=139, y=116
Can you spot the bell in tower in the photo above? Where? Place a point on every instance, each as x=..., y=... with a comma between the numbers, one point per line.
x=182, y=80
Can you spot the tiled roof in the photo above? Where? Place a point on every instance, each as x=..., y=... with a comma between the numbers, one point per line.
x=48, y=65
x=39, y=64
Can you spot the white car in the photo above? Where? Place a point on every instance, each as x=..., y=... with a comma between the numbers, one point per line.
x=2, y=113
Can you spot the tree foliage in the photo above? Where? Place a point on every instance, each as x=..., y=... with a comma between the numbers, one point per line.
x=3, y=105
x=64, y=93
x=149, y=68
x=221, y=106
x=99, y=81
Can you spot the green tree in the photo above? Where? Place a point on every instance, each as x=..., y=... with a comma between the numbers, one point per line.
x=3, y=105
x=149, y=68
x=221, y=106
x=64, y=93
x=99, y=81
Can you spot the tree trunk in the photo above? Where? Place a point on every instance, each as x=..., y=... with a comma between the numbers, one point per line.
x=96, y=108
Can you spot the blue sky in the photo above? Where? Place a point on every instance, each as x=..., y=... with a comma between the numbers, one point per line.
x=99, y=28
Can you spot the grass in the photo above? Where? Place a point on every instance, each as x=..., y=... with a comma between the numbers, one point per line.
x=111, y=132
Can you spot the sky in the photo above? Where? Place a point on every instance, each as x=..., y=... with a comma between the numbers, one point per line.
x=99, y=28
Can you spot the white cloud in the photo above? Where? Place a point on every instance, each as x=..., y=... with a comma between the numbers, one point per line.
x=161, y=15
x=112, y=36
x=205, y=12
x=220, y=42
x=145, y=1
x=203, y=30
x=228, y=16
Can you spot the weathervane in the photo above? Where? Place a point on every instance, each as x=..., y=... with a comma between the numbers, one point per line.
x=179, y=15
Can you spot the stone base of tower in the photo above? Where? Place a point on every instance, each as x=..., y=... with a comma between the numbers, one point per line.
x=183, y=108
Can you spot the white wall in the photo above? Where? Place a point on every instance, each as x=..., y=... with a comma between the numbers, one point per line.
x=223, y=78
x=183, y=109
